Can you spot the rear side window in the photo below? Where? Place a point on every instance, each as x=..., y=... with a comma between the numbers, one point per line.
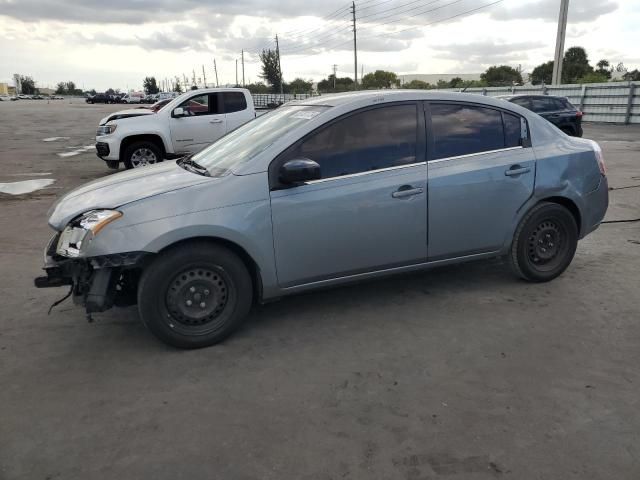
x=512, y=130
x=465, y=129
x=542, y=104
x=523, y=102
x=234, y=102
x=370, y=140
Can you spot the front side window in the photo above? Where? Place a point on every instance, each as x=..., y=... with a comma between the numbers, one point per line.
x=370, y=140
x=234, y=102
x=198, y=105
x=465, y=129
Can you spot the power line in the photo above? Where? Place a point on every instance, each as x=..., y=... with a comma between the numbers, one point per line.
x=413, y=15
x=388, y=34
x=399, y=7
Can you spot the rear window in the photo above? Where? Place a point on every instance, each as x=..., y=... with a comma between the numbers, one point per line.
x=512, y=130
x=234, y=102
x=465, y=129
x=544, y=104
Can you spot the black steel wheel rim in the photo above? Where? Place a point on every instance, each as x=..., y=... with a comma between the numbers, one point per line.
x=547, y=245
x=196, y=300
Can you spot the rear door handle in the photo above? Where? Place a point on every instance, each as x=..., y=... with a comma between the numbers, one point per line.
x=517, y=170
x=216, y=120
x=407, y=191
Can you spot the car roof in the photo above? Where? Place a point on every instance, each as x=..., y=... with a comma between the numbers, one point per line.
x=531, y=95
x=365, y=97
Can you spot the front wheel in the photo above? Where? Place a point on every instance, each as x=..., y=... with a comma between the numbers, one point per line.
x=141, y=154
x=195, y=295
x=545, y=243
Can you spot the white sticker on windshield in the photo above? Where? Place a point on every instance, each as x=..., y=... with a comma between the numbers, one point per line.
x=306, y=114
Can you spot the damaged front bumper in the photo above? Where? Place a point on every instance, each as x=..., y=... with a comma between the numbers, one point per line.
x=97, y=283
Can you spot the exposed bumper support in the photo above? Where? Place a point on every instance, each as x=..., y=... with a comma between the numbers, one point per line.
x=98, y=283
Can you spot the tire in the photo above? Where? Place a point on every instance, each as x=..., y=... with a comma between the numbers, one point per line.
x=569, y=131
x=113, y=164
x=174, y=288
x=544, y=243
x=141, y=154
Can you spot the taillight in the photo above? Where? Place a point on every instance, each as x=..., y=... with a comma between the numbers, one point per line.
x=579, y=114
x=599, y=158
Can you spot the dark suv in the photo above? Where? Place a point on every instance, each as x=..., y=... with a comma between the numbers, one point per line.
x=557, y=110
x=100, y=98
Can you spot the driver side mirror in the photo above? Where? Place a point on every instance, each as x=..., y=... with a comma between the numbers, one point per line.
x=179, y=112
x=298, y=171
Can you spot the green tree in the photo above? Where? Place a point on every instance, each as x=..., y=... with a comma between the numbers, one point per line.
x=70, y=87
x=575, y=65
x=501, y=76
x=542, y=73
x=594, y=77
x=418, y=85
x=27, y=85
x=456, y=82
x=150, y=85
x=603, y=68
x=61, y=88
x=177, y=88
x=298, y=85
x=110, y=91
x=257, y=87
x=271, y=69
x=334, y=84
x=380, y=79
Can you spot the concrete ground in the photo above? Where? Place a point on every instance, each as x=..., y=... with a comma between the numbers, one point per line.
x=460, y=373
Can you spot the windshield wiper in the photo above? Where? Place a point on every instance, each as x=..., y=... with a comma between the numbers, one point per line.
x=188, y=164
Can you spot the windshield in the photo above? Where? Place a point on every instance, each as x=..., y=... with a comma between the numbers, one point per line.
x=253, y=137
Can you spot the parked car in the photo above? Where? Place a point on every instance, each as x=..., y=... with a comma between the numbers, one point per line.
x=186, y=125
x=557, y=110
x=4, y=98
x=132, y=98
x=100, y=98
x=321, y=192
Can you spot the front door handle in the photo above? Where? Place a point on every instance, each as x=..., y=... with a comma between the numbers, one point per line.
x=407, y=191
x=517, y=170
x=216, y=120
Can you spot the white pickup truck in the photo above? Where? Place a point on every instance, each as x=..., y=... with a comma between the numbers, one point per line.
x=185, y=125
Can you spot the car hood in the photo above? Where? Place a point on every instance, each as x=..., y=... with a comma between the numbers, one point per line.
x=132, y=112
x=122, y=188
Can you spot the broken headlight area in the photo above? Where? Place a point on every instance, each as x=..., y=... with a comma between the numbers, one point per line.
x=76, y=236
x=97, y=283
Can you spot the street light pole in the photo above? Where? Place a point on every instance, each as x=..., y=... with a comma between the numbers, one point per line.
x=556, y=78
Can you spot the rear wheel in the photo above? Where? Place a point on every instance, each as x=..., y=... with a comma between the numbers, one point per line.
x=195, y=295
x=141, y=154
x=545, y=243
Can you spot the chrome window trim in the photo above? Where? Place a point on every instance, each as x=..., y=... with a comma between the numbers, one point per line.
x=446, y=159
x=368, y=172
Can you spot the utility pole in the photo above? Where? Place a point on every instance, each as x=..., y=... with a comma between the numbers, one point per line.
x=185, y=82
x=242, y=55
x=355, y=45
x=215, y=69
x=279, y=65
x=236, y=72
x=204, y=77
x=335, y=69
x=556, y=79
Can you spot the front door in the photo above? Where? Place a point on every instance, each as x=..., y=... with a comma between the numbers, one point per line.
x=369, y=209
x=481, y=172
x=203, y=123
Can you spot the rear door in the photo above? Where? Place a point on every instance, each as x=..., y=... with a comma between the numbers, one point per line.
x=481, y=171
x=236, y=109
x=203, y=123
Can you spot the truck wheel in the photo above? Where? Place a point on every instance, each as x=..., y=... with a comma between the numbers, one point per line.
x=195, y=295
x=113, y=164
x=141, y=154
x=545, y=243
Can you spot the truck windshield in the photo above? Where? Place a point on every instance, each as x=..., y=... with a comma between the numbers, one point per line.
x=253, y=137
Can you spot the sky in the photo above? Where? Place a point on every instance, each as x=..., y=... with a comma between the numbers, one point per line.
x=115, y=44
